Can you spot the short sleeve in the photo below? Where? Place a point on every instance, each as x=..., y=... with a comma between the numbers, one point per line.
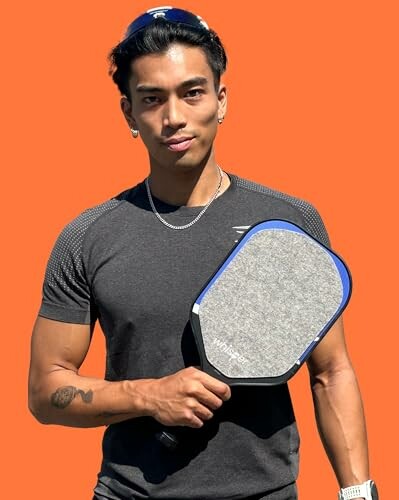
x=314, y=224
x=67, y=293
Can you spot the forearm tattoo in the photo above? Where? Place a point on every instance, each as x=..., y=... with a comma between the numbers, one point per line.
x=63, y=396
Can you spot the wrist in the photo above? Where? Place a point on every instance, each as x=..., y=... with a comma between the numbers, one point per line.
x=138, y=392
x=363, y=491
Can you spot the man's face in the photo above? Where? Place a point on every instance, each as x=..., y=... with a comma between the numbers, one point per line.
x=175, y=106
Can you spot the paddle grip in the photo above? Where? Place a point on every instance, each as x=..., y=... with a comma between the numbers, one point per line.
x=168, y=439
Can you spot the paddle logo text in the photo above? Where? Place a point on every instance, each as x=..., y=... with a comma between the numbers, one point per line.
x=227, y=349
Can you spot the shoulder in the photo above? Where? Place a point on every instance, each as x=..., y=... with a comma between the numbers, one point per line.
x=306, y=212
x=69, y=243
x=66, y=289
x=77, y=228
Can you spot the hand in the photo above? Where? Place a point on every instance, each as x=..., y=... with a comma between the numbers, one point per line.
x=188, y=397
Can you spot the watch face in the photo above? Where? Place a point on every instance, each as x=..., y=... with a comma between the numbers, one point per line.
x=374, y=492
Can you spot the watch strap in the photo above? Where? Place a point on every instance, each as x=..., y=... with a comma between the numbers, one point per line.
x=356, y=491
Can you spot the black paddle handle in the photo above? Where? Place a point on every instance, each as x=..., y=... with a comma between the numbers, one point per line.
x=168, y=439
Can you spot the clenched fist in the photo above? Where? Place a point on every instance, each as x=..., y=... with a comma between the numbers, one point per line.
x=188, y=397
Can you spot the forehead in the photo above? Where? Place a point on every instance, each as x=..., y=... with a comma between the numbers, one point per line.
x=169, y=69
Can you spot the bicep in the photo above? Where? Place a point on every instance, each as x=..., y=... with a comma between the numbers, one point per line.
x=57, y=345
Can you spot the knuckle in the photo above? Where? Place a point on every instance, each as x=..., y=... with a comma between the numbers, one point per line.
x=187, y=416
x=195, y=389
x=191, y=370
x=191, y=403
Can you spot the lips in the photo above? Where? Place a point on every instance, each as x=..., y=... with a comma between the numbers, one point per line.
x=178, y=145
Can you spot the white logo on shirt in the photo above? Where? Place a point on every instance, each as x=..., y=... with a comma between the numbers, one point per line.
x=240, y=230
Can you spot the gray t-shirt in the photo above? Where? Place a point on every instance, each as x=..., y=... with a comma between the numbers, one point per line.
x=117, y=263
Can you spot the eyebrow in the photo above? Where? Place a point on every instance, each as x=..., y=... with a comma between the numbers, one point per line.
x=197, y=80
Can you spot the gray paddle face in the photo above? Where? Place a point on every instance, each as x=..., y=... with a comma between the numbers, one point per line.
x=265, y=311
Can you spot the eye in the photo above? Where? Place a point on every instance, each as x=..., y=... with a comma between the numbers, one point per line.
x=194, y=93
x=151, y=99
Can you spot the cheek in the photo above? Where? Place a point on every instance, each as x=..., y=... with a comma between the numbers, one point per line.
x=148, y=122
x=206, y=123
x=208, y=114
x=149, y=130
x=209, y=131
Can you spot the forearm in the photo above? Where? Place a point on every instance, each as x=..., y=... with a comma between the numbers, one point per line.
x=186, y=398
x=341, y=424
x=64, y=397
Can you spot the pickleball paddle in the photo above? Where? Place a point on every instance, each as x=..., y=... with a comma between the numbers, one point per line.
x=267, y=306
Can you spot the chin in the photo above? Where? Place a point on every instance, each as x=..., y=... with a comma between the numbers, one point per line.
x=184, y=161
x=191, y=163
x=188, y=160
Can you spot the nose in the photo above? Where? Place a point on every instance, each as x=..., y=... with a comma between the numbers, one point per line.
x=174, y=116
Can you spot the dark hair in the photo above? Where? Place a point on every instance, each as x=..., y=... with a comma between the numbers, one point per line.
x=156, y=38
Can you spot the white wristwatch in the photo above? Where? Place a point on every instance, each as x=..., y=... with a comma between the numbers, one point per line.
x=367, y=490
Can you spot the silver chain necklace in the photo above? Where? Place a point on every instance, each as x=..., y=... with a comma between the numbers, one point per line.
x=171, y=226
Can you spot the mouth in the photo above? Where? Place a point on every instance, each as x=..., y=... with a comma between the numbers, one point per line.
x=179, y=144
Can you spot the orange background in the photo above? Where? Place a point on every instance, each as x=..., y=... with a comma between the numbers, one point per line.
x=313, y=111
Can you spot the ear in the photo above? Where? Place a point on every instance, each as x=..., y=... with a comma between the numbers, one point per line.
x=127, y=110
x=222, y=100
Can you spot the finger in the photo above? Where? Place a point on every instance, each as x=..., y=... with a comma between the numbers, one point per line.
x=217, y=387
x=196, y=389
x=214, y=385
x=203, y=412
x=209, y=399
x=192, y=420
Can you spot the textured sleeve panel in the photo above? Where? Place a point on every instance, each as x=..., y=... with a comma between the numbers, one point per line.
x=313, y=223
x=66, y=293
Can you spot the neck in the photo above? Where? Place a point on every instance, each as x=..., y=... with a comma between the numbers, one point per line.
x=192, y=187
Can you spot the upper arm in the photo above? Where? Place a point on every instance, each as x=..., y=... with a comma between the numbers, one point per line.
x=331, y=355
x=56, y=345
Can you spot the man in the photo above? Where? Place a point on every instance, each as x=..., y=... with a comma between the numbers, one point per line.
x=137, y=261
